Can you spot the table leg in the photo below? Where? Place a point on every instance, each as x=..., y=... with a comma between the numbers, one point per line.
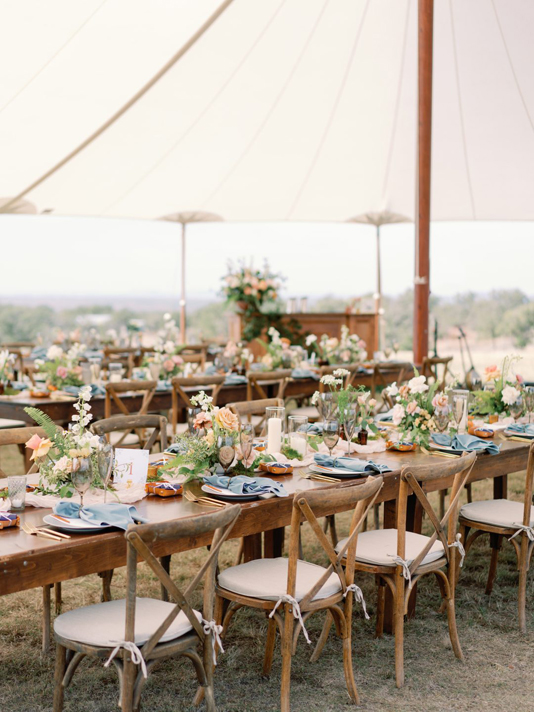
x=273, y=543
x=251, y=547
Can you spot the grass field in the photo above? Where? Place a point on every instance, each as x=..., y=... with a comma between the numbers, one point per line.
x=498, y=673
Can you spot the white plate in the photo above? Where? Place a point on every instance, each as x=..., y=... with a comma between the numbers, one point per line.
x=321, y=469
x=79, y=526
x=226, y=494
x=512, y=433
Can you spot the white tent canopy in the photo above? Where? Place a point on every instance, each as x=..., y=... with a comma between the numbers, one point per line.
x=283, y=109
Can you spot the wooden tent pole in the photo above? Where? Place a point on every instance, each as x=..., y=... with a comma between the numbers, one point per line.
x=424, y=141
x=183, y=297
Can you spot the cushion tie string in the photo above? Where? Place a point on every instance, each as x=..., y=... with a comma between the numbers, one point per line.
x=458, y=545
x=137, y=656
x=215, y=630
x=358, y=597
x=529, y=531
x=286, y=598
x=405, y=568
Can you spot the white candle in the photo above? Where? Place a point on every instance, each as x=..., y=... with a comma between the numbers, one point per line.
x=298, y=443
x=17, y=503
x=274, y=435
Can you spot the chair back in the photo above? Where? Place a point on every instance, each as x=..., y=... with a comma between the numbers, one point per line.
x=529, y=485
x=141, y=539
x=148, y=428
x=436, y=370
x=384, y=374
x=196, y=361
x=313, y=504
x=182, y=398
x=115, y=390
x=246, y=409
x=454, y=475
x=258, y=379
x=19, y=436
x=125, y=355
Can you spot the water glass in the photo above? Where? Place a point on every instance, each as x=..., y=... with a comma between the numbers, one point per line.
x=16, y=490
x=326, y=405
x=95, y=366
x=116, y=372
x=516, y=409
x=225, y=451
x=349, y=415
x=191, y=417
x=82, y=475
x=297, y=426
x=330, y=434
x=246, y=440
x=528, y=394
x=441, y=419
x=104, y=458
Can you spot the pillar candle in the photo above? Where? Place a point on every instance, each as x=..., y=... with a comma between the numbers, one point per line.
x=274, y=435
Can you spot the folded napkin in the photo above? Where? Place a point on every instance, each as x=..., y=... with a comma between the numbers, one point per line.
x=38, y=352
x=210, y=370
x=96, y=390
x=105, y=515
x=163, y=386
x=384, y=417
x=234, y=379
x=315, y=429
x=350, y=463
x=304, y=373
x=524, y=428
x=247, y=485
x=466, y=443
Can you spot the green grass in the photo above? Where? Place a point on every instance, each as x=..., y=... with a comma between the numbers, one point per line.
x=498, y=674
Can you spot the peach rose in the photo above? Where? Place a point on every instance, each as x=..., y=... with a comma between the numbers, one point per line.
x=34, y=442
x=202, y=420
x=168, y=365
x=42, y=449
x=227, y=420
x=411, y=407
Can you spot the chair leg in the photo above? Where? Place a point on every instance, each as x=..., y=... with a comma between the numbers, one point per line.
x=495, y=543
x=165, y=561
x=127, y=687
x=442, y=495
x=347, y=666
x=57, y=598
x=451, y=620
x=59, y=690
x=287, y=644
x=522, y=593
x=322, y=638
x=45, y=644
x=106, y=577
x=269, y=647
x=399, y=629
x=380, y=607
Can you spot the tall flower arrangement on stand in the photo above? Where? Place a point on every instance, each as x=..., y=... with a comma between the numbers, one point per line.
x=413, y=409
x=165, y=361
x=251, y=288
x=6, y=366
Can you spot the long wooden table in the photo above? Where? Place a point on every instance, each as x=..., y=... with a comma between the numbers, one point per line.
x=28, y=562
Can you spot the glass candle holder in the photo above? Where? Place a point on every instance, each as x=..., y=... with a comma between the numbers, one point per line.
x=116, y=372
x=275, y=424
x=16, y=488
x=297, y=426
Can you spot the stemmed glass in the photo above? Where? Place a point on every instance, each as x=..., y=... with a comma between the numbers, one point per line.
x=246, y=440
x=459, y=410
x=330, y=434
x=349, y=415
x=528, y=393
x=225, y=451
x=104, y=458
x=82, y=475
x=326, y=405
x=516, y=409
x=442, y=418
x=191, y=415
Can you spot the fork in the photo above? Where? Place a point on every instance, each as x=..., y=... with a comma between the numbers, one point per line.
x=206, y=501
x=319, y=478
x=32, y=530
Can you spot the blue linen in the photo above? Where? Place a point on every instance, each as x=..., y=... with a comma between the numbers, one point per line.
x=315, y=429
x=241, y=484
x=304, y=373
x=235, y=379
x=96, y=390
x=466, y=443
x=113, y=514
x=350, y=463
x=384, y=417
x=524, y=428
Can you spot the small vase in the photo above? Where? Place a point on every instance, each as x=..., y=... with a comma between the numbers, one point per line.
x=362, y=436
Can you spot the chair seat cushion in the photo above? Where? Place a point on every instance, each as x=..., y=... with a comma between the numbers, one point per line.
x=500, y=512
x=267, y=579
x=8, y=423
x=379, y=546
x=116, y=435
x=309, y=410
x=103, y=623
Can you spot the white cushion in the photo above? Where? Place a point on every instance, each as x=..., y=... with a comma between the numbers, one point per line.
x=267, y=579
x=130, y=439
x=379, y=546
x=501, y=512
x=7, y=423
x=308, y=410
x=103, y=623
x=181, y=428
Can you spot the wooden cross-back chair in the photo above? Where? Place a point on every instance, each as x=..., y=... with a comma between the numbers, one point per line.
x=385, y=374
x=290, y=589
x=436, y=369
x=504, y=518
x=125, y=355
x=181, y=398
x=150, y=430
x=399, y=558
x=197, y=362
x=115, y=393
x=160, y=629
x=254, y=411
x=259, y=380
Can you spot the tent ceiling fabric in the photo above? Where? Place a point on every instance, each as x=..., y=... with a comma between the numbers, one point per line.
x=283, y=110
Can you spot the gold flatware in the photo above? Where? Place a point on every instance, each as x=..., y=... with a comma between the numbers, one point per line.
x=438, y=453
x=319, y=478
x=206, y=501
x=32, y=530
x=519, y=439
x=54, y=532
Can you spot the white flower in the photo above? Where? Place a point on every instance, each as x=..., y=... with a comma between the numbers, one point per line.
x=315, y=398
x=397, y=414
x=85, y=393
x=418, y=384
x=54, y=352
x=64, y=464
x=363, y=397
x=510, y=395
x=393, y=390
x=341, y=372
x=331, y=380
x=310, y=339
x=275, y=335
x=168, y=347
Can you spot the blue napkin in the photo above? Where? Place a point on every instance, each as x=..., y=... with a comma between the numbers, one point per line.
x=210, y=370
x=315, y=428
x=466, y=443
x=350, y=463
x=524, y=428
x=247, y=485
x=96, y=390
x=304, y=373
x=163, y=386
x=113, y=514
x=39, y=352
x=234, y=379
x=384, y=417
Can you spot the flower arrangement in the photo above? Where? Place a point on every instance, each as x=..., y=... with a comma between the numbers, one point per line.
x=165, y=362
x=249, y=288
x=344, y=398
x=238, y=355
x=413, y=409
x=280, y=353
x=502, y=390
x=62, y=368
x=59, y=454
x=6, y=366
x=349, y=348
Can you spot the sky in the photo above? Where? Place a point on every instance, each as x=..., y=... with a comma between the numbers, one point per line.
x=94, y=256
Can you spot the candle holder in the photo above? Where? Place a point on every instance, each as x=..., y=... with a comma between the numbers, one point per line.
x=16, y=489
x=297, y=426
x=275, y=425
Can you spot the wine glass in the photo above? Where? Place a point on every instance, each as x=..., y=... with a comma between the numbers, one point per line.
x=516, y=409
x=349, y=415
x=326, y=405
x=225, y=451
x=246, y=439
x=442, y=418
x=191, y=415
x=459, y=410
x=330, y=434
x=82, y=475
x=104, y=459
x=528, y=393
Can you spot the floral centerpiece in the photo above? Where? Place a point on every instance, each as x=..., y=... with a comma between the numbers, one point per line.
x=349, y=348
x=238, y=355
x=280, y=353
x=62, y=452
x=61, y=368
x=6, y=367
x=502, y=391
x=249, y=288
x=165, y=361
x=413, y=409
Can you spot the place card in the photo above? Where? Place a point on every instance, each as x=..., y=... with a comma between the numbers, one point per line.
x=130, y=466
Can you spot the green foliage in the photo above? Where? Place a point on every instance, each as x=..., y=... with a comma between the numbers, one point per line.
x=19, y=323
x=52, y=431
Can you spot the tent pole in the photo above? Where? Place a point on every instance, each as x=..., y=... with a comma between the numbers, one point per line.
x=378, y=286
x=182, y=300
x=422, y=212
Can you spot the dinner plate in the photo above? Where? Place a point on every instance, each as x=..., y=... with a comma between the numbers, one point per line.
x=341, y=472
x=77, y=526
x=512, y=433
x=227, y=496
x=443, y=448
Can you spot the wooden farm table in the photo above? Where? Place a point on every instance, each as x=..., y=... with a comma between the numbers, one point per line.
x=28, y=562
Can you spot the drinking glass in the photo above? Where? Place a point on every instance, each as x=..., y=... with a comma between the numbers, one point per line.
x=528, y=393
x=246, y=439
x=191, y=415
x=225, y=451
x=16, y=491
x=297, y=426
x=95, y=365
x=459, y=400
x=330, y=434
x=155, y=369
x=104, y=458
x=441, y=419
x=516, y=409
x=349, y=416
x=82, y=475
x=326, y=405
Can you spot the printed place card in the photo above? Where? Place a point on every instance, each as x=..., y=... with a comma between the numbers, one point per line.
x=130, y=466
